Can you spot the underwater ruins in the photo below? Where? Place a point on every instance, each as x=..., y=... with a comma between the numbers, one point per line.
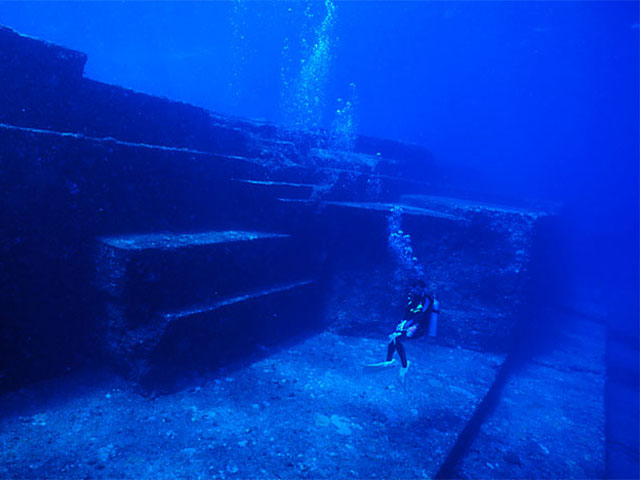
x=236, y=275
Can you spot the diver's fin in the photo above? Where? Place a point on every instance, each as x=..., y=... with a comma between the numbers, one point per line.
x=381, y=365
x=403, y=373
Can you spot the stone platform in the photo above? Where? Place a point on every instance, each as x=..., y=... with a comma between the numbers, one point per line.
x=307, y=411
x=550, y=419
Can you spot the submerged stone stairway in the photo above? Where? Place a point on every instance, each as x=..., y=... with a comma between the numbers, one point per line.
x=175, y=302
x=275, y=189
x=177, y=241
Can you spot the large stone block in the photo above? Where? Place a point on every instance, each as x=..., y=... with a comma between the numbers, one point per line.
x=479, y=267
x=475, y=257
x=207, y=336
x=32, y=60
x=149, y=273
x=180, y=302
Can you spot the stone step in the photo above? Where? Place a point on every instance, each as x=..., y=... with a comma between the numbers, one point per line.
x=379, y=210
x=260, y=199
x=145, y=274
x=274, y=189
x=408, y=210
x=210, y=335
x=369, y=218
x=462, y=206
x=94, y=187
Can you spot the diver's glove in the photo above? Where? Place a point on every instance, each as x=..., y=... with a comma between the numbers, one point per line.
x=395, y=335
x=399, y=331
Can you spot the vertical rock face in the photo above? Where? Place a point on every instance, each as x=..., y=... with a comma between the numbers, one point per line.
x=113, y=201
x=185, y=301
x=475, y=258
x=478, y=266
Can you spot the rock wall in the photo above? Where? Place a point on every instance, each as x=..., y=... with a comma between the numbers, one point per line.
x=475, y=258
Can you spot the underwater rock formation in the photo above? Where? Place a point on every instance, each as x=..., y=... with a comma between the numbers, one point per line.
x=178, y=301
x=170, y=242
x=108, y=193
x=475, y=257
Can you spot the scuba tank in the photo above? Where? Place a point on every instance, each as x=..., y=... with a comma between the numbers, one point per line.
x=434, y=311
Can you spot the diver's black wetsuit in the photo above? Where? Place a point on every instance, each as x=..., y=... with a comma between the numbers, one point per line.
x=414, y=324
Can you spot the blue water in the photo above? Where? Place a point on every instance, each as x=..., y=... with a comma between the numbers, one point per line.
x=537, y=100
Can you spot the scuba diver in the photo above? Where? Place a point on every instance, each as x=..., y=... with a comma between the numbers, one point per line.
x=421, y=314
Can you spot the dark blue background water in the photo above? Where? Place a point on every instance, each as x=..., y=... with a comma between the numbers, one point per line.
x=540, y=99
